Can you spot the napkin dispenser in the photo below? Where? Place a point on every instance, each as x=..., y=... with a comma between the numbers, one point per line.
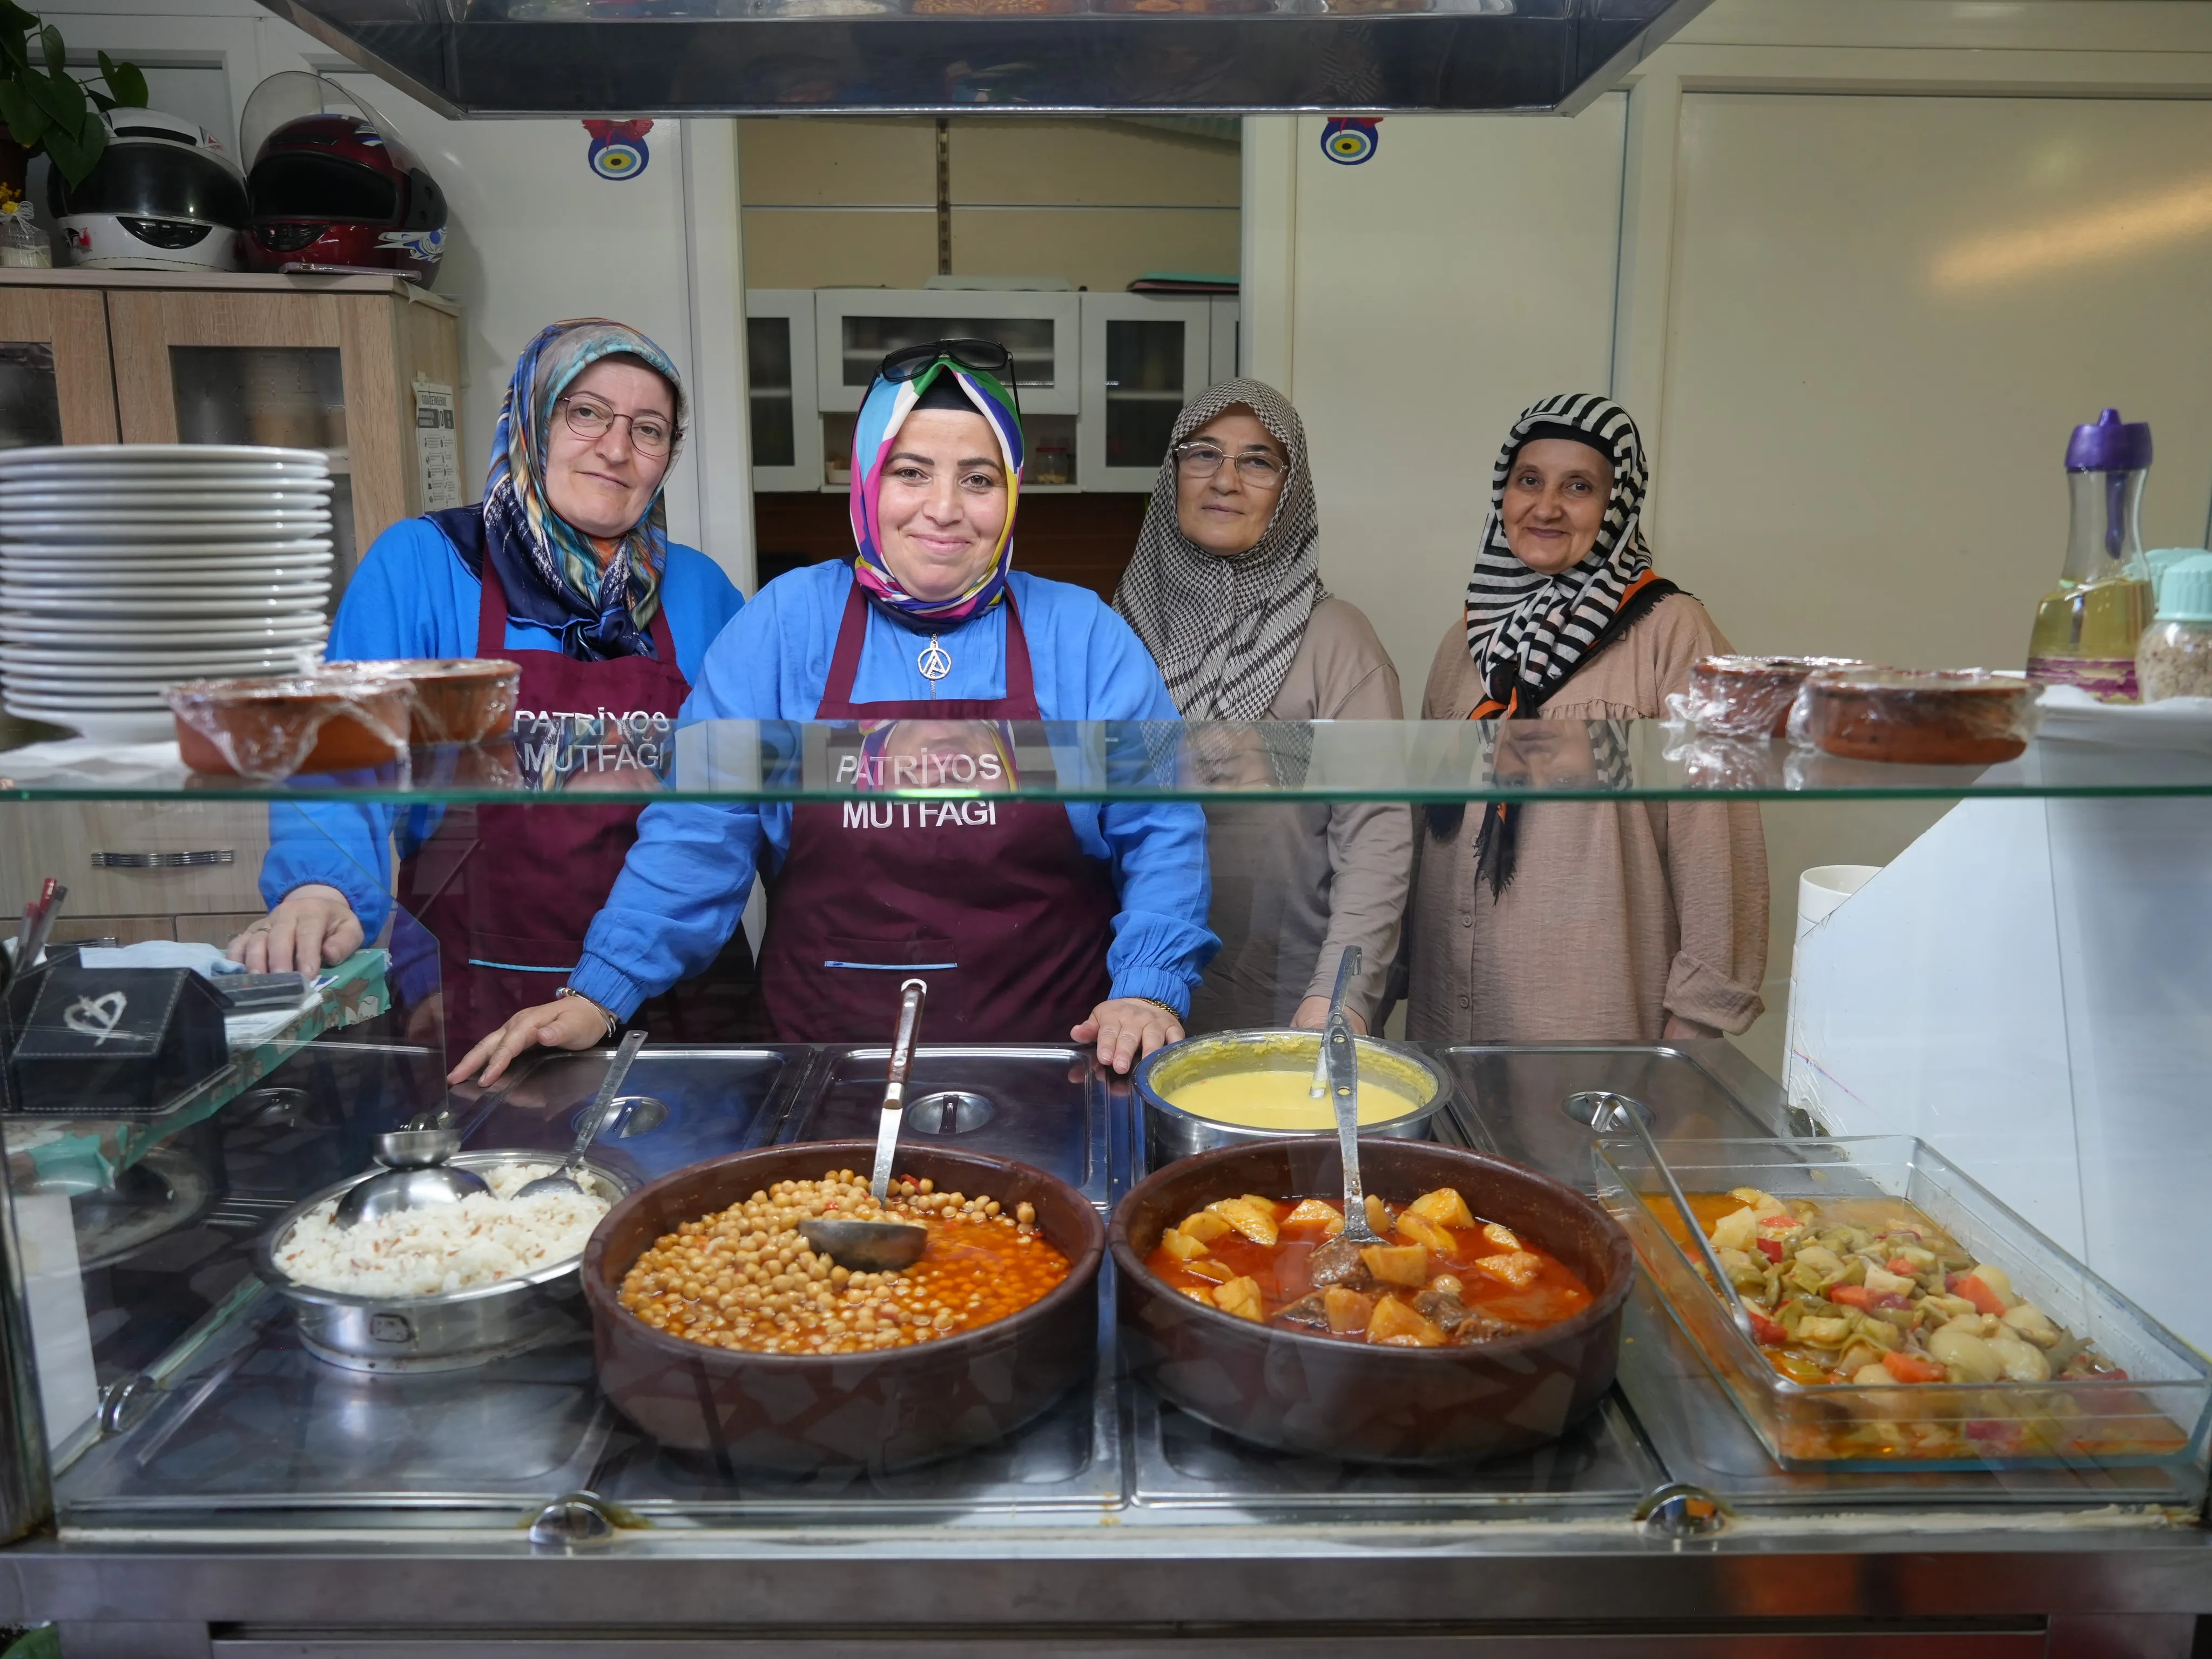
x=114, y=1042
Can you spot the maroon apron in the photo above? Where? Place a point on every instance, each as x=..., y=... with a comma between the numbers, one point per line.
x=510, y=892
x=992, y=902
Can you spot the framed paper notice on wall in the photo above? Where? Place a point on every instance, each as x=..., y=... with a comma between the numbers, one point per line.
x=437, y=445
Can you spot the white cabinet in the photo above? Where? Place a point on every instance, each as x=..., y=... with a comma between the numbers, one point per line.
x=785, y=415
x=1145, y=356
x=854, y=327
x=1101, y=376
x=1228, y=339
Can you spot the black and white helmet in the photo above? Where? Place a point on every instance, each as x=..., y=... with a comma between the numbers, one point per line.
x=163, y=196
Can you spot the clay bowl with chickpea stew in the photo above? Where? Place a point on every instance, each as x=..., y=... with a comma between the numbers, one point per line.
x=719, y=1332
x=1398, y=1361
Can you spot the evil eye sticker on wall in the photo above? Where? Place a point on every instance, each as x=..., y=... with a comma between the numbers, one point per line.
x=618, y=150
x=1348, y=140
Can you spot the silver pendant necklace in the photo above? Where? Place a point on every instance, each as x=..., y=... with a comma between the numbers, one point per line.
x=935, y=661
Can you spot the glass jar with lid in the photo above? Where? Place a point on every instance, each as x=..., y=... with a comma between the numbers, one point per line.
x=2174, y=658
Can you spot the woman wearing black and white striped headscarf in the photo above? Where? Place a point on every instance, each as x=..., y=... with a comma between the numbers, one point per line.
x=1224, y=590
x=1575, y=921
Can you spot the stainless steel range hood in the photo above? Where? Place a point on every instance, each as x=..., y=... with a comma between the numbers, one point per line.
x=622, y=57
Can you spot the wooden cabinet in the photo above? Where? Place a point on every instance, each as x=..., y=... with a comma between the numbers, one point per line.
x=108, y=356
x=311, y=363
x=56, y=385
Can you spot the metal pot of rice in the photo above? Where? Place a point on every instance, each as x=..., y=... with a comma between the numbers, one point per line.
x=470, y=1283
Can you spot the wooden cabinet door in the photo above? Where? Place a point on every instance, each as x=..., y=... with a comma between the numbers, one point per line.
x=71, y=324
x=247, y=367
x=154, y=857
x=359, y=353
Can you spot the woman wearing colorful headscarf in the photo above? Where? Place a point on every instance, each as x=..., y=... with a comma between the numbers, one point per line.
x=565, y=567
x=1559, y=921
x=1030, y=921
x=1224, y=590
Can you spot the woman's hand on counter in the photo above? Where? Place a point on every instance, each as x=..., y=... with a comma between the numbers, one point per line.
x=570, y=1023
x=1313, y=1014
x=1126, y=1028
x=313, y=927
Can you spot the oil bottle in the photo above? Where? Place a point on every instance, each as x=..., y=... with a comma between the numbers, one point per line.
x=2085, y=628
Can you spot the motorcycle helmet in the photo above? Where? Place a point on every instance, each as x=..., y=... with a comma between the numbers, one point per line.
x=162, y=196
x=333, y=192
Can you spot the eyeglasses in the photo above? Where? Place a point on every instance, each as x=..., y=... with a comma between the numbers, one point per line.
x=983, y=356
x=649, y=434
x=1260, y=471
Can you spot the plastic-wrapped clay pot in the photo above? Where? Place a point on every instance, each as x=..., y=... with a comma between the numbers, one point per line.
x=456, y=699
x=1328, y=1396
x=1750, y=696
x=1921, y=717
x=330, y=721
x=796, y=1414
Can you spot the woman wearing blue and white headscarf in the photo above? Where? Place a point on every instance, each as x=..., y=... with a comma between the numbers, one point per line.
x=566, y=567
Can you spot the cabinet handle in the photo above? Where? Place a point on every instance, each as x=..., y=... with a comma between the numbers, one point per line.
x=163, y=860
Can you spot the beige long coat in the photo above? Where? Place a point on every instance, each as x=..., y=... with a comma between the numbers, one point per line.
x=1617, y=915
x=1294, y=883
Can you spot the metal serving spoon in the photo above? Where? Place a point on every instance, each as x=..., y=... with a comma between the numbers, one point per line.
x=877, y=1247
x=1347, y=970
x=416, y=1176
x=1340, y=1258
x=563, y=1179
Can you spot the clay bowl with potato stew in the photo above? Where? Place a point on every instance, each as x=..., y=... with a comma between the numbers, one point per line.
x=719, y=1333
x=1488, y=1321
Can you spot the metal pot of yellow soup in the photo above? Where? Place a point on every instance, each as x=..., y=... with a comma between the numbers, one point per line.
x=1230, y=1087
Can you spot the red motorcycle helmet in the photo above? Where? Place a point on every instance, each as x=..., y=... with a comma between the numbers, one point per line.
x=330, y=192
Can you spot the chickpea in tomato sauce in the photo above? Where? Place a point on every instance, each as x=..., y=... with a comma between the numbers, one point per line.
x=744, y=1277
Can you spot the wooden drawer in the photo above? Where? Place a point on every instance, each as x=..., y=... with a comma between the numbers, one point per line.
x=60, y=839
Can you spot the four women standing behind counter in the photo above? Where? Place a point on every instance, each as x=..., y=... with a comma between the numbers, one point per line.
x=1541, y=921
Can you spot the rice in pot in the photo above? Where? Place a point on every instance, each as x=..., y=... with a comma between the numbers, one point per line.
x=453, y=1247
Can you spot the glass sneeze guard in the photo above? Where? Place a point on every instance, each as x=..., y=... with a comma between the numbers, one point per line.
x=1415, y=760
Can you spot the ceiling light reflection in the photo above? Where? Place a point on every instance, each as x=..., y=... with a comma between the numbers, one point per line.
x=2108, y=233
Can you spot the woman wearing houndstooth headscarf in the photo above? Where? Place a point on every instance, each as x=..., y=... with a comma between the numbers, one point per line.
x=1573, y=920
x=1224, y=590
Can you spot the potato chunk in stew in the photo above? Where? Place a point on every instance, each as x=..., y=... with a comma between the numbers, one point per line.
x=1254, y=1220
x=1397, y=1264
x=1397, y=1323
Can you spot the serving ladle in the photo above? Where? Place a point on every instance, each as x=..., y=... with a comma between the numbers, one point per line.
x=1338, y=1258
x=1347, y=968
x=878, y=1246
x=416, y=1176
x=563, y=1179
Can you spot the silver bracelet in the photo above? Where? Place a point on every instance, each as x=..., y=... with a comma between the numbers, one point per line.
x=600, y=1009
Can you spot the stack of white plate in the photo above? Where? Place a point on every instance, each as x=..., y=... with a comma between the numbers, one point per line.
x=125, y=567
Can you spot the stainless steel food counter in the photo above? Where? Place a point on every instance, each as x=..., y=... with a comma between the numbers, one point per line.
x=247, y=1499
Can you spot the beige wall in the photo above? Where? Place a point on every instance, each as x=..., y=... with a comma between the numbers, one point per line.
x=852, y=203
x=1857, y=266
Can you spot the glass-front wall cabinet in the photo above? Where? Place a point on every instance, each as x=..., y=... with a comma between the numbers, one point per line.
x=785, y=424
x=1101, y=376
x=1946, y=1087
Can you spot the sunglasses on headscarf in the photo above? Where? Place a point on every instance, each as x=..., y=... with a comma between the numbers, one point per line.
x=983, y=356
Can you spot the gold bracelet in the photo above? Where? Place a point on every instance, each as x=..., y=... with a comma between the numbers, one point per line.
x=1173, y=1013
x=600, y=1009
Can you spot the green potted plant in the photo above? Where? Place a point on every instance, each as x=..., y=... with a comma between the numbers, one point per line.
x=44, y=108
